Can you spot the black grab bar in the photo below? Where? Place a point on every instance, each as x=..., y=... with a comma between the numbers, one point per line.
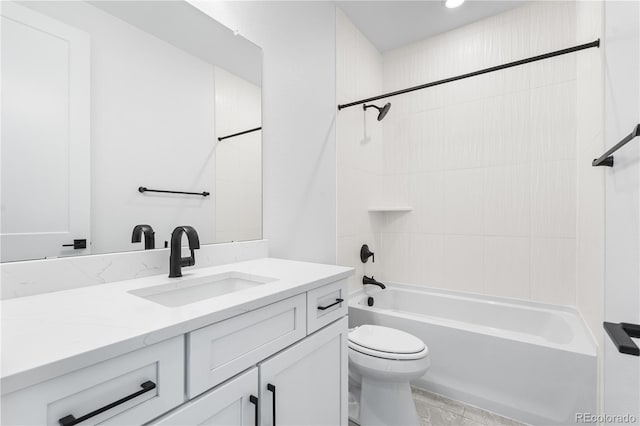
x=606, y=159
x=143, y=189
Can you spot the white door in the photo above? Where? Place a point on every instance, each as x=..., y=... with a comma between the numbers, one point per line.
x=307, y=381
x=622, y=280
x=45, y=136
x=233, y=403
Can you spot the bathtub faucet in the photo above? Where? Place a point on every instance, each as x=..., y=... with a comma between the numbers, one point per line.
x=372, y=281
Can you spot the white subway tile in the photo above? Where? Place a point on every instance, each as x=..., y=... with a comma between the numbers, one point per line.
x=553, y=270
x=507, y=200
x=426, y=141
x=553, y=27
x=426, y=197
x=394, y=257
x=464, y=263
x=426, y=260
x=463, y=201
x=553, y=199
x=511, y=142
x=464, y=135
x=553, y=116
x=506, y=266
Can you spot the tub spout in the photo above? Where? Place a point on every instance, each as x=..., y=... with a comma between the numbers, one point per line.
x=372, y=281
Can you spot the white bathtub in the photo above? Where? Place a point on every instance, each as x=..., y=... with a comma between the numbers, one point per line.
x=532, y=362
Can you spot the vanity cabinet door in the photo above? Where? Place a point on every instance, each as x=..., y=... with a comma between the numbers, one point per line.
x=233, y=403
x=308, y=381
x=219, y=351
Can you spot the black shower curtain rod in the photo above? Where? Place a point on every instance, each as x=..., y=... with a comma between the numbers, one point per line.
x=221, y=138
x=475, y=73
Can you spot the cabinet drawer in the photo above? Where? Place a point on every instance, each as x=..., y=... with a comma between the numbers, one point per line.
x=227, y=404
x=224, y=349
x=324, y=305
x=106, y=386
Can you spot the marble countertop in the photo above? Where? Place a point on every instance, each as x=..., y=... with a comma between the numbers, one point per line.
x=51, y=334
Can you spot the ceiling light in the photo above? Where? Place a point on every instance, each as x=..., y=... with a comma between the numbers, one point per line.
x=453, y=3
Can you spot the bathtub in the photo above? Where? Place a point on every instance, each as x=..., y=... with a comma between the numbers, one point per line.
x=532, y=362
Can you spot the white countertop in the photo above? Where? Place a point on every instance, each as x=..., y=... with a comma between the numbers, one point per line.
x=51, y=334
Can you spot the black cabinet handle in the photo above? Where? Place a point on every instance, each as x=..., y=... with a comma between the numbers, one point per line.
x=621, y=335
x=338, y=301
x=70, y=420
x=77, y=244
x=254, y=400
x=272, y=388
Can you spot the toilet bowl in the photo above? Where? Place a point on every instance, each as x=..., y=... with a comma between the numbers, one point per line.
x=382, y=362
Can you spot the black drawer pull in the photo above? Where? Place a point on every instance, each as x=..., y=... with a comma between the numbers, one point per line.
x=338, y=301
x=70, y=420
x=254, y=400
x=272, y=388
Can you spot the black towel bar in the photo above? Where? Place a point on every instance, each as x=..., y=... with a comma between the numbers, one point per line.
x=621, y=335
x=606, y=159
x=144, y=189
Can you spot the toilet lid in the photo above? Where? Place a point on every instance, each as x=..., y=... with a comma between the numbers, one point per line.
x=385, y=339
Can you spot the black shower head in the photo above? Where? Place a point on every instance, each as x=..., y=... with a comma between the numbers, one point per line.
x=382, y=112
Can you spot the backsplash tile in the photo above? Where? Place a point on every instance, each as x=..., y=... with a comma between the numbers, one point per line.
x=32, y=277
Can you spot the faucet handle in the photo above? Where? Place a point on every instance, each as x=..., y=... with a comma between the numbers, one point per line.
x=365, y=254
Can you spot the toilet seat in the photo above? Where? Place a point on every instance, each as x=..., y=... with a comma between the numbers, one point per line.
x=386, y=343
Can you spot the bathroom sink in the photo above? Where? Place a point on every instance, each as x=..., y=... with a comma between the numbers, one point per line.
x=184, y=292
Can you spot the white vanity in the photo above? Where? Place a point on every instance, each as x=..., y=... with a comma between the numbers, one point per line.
x=261, y=342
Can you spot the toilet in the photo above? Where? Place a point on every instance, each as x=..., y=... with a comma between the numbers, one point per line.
x=382, y=362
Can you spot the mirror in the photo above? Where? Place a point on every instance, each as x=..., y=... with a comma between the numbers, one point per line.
x=117, y=114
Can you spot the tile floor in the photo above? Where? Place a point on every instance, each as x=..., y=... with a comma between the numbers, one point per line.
x=436, y=410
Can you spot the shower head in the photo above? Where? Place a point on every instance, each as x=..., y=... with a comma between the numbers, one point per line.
x=382, y=112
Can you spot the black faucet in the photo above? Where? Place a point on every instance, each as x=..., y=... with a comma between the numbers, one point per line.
x=365, y=254
x=176, y=261
x=149, y=236
x=372, y=281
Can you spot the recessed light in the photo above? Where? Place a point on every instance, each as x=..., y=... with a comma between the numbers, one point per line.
x=453, y=3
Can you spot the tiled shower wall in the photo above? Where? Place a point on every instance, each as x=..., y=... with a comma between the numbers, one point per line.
x=487, y=164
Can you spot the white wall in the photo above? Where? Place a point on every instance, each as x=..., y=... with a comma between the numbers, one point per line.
x=359, y=148
x=238, y=167
x=152, y=124
x=299, y=108
x=493, y=166
x=622, y=288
